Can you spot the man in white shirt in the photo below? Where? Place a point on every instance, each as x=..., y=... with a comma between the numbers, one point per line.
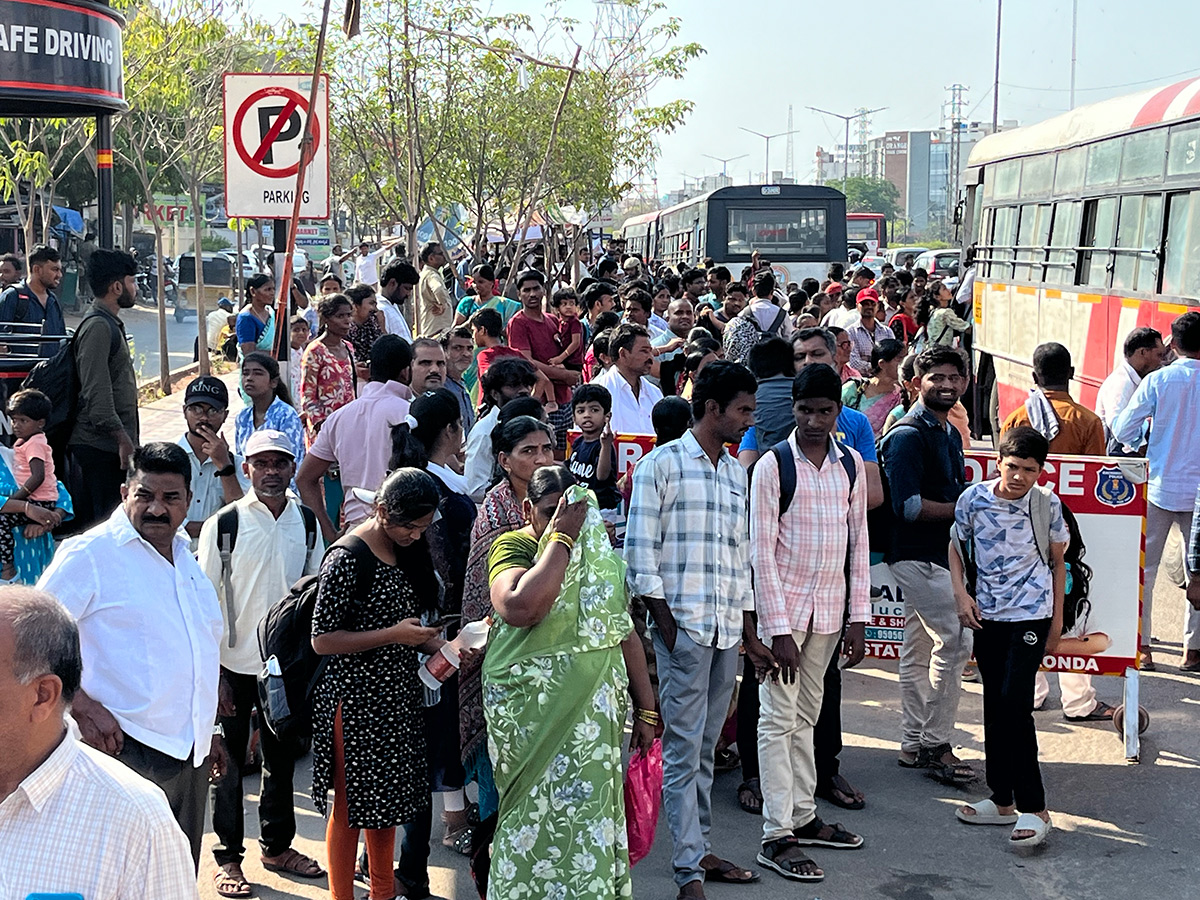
x=395, y=287
x=434, y=312
x=217, y=476
x=1143, y=351
x=508, y=378
x=845, y=315
x=271, y=542
x=358, y=437
x=149, y=626
x=366, y=263
x=634, y=395
x=72, y=820
x=215, y=321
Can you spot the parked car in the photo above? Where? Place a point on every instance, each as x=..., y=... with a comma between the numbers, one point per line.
x=939, y=263
x=897, y=255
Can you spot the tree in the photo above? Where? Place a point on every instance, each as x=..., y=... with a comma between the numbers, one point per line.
x=864, y=194
x=36, y=154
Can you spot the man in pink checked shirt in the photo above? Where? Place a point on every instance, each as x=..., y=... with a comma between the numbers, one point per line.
x=810, y=556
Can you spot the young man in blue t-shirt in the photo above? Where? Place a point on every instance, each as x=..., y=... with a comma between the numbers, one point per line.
x=1015, y=535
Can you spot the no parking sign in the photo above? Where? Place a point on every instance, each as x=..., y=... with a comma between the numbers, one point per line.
x=264, y=122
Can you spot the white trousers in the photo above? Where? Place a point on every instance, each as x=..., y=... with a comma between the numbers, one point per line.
x=1078, y=695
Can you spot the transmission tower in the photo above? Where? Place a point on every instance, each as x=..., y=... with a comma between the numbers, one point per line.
x=956, y=106
x=789, y=163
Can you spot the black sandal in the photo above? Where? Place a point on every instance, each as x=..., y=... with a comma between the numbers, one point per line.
x=838, y=785
x=769, y=855
x=836, y=837
x=752, y=787
x=949, y=773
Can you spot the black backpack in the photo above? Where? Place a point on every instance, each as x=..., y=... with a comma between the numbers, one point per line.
x=58, y=379
x=787, y=471
x=285, y=636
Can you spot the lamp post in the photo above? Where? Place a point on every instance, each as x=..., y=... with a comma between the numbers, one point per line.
x=847, y=120
x=725, y=161
x=768, y=138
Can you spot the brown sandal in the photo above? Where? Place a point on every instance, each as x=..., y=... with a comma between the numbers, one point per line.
x=230, y=882
x=293, y=862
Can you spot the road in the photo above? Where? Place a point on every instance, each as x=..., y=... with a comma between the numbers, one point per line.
x=141, y=323
x=1121, y=830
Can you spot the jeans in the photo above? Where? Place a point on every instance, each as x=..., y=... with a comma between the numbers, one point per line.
x=1009, y=654
x=276, y=810
x=183, y=783
x=936, y=647
x=785, y=738
x=695, y=684
x=1158, y=526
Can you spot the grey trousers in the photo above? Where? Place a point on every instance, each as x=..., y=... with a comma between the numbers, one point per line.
x=695, y=687
x=1158, y=525
x=185, y=785
x=936, y=647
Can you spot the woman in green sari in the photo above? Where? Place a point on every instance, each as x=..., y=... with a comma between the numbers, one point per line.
x=560, y=657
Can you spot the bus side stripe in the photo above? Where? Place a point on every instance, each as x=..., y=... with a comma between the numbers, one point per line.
x=1156, y=106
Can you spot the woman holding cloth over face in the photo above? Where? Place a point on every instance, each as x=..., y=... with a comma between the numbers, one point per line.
x=561, y=654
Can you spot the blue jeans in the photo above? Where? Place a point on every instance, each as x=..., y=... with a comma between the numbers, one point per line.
x=695, y=686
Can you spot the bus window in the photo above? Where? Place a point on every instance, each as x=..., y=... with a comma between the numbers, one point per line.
x=1183, y=157
x=1104, y=162
x=1143, y=156
x=1181, y=265
x=1032, y=236
x=1004, y=236
x=1037, y=175
x=1069, y=176
x=1136, y=267
x=1099, y=220
x=1008, y=179
x=1064, y=238
x=782, y=232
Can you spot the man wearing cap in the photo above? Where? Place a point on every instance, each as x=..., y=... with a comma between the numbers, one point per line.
x=867, y=331
x=217, y=476
x=276, y=544
x=217, y=320
x=846, y=314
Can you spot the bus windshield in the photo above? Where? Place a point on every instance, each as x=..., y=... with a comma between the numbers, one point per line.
x=783, y=233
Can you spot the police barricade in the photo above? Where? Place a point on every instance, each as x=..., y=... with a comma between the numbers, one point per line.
x=1108, y=498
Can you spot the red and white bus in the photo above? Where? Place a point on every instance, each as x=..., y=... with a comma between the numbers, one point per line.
x=1087, y=225
x=867, y=228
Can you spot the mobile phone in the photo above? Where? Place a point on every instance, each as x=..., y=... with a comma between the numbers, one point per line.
x=444, y=621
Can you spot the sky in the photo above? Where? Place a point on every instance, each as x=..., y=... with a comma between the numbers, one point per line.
x=762, y=55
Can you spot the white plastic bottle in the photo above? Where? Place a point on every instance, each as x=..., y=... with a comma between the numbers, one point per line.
x=445, y=662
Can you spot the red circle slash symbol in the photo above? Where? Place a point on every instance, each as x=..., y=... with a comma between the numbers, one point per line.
x=292, y=101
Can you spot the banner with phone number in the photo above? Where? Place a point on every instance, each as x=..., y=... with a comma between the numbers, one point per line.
x=1108, y=498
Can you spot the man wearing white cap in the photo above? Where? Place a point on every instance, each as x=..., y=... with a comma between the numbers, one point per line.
x=253, y=550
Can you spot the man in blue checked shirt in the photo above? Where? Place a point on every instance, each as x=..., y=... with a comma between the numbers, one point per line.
x=687, y=550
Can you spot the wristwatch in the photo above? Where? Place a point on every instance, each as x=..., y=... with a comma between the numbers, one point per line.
x=225, y=472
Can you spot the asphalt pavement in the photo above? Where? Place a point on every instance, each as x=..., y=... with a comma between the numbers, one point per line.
x=1121, y=830
x=141, y=323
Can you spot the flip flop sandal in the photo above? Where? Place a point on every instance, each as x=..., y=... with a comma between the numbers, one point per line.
x=836, y=785
x=726, y=761
x=723, y=871
x=1029, y=822
x=986, y=813
x=838, y=838
x=768, y=857
x=293, y=862
x=753, y=788
x=1102, y=713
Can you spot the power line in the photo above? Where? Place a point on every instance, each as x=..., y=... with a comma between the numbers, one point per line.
x=1107, y=87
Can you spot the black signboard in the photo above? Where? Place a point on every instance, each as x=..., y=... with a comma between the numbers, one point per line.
x=60, y=58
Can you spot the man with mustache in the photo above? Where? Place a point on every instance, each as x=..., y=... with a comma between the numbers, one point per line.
x=217, y=474
x=149, y=628
x=270, y=542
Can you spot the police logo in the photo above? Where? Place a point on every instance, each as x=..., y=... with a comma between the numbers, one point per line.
x=1113, y=488
x=1030, y=638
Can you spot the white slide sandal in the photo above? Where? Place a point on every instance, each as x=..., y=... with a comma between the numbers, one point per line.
x=1029, y=822
x=986, y=813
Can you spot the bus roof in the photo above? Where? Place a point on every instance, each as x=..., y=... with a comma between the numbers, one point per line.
x=1092, y=122
x=642, y=219
x=754, y=191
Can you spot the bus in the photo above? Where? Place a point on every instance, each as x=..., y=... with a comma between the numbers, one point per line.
x=869, y=229
x=1086, y=226
x=799, y=229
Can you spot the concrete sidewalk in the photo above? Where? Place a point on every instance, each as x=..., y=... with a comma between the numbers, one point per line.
x=162, y=419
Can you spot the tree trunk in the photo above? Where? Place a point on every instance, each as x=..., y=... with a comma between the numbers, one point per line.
x=198, y=222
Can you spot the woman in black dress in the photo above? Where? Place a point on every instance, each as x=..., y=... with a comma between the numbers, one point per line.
x=368, y=729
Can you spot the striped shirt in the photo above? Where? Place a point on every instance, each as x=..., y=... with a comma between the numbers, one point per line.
x=687, y=540
x=84, y=823
x=864, y=341
x=799, y=558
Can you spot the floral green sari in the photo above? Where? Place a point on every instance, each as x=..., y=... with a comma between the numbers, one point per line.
x=555, y=706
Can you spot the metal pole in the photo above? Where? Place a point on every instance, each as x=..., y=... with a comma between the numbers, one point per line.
x=996, y=80
x=1074, y=34
x=846, y=154
x=767, y=164
x=104, y=181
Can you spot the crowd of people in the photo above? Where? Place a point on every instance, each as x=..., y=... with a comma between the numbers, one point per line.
x=444, y=465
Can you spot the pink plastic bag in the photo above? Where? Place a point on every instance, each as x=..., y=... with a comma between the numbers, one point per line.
x=643, y=797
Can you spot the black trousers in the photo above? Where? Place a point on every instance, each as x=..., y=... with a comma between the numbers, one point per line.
x=1008, y=654
x=276, y=808
x=183, y=783
x=94, y=478
x=827, y=733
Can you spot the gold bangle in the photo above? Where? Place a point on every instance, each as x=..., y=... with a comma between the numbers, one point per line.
x=565, y=539
x=649, y=716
